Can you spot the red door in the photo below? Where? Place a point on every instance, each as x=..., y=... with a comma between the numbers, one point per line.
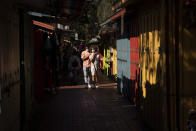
x=134, y=62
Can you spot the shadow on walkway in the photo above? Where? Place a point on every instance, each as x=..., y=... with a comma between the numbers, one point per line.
x=109, y=85
x=79, y=109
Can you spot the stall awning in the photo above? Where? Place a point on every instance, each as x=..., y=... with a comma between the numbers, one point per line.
x=115, y=16
x=43, y=25
x=118, y=15
x=65, y=11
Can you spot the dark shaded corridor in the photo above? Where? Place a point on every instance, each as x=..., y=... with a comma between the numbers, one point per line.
x=79, y=109
x=141, y=55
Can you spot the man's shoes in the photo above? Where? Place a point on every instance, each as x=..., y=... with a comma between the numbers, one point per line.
x=89, y=86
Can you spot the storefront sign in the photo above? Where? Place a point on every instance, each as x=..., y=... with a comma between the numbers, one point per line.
x=76, y=36
x=66, y=27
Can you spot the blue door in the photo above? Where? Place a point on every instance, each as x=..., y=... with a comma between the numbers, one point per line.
x=123, y=65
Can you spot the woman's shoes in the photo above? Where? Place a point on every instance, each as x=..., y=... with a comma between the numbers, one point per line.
x=89, y=86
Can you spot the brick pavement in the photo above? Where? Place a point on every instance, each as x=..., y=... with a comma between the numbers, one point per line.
x=79, y=109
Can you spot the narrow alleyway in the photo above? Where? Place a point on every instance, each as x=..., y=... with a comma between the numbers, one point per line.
x=79, y=109
x=141, y=54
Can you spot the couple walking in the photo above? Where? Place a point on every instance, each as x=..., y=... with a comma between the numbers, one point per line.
x=91, y=64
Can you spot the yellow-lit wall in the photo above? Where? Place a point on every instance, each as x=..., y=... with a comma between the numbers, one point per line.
x=152, y=71
x=114, y=59
x=167, y=67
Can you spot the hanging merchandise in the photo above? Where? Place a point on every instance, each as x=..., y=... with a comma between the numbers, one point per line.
x=48, y=44
x=57, y=40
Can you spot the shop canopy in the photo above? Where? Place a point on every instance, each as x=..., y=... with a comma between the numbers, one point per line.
x=120, y=9
x=115, y=16
x=63, y=10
